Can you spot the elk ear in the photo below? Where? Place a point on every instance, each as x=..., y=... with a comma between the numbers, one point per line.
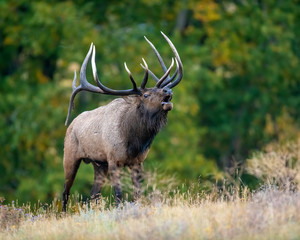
x=131, y=99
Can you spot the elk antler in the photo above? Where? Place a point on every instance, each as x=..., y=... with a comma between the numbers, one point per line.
x=167, y=80
x=110, y=91
x=85, y=85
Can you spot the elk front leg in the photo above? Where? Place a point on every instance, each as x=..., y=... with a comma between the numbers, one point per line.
x=115, y=179
x=100, y=173
x=70, y=169
x=136, y=177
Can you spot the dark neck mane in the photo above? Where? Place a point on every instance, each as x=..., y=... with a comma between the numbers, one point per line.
x=139, y=127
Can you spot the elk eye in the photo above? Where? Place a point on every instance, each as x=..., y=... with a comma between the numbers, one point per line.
x=146, y=95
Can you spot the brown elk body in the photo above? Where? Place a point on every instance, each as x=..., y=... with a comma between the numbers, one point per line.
x=120, y=133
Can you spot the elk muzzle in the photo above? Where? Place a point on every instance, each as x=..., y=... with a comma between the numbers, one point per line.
x=166, y=103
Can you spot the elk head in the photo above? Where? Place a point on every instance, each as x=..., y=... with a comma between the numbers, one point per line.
x=153, y=99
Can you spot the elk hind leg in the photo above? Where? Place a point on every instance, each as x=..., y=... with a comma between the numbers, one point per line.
x=100, y=173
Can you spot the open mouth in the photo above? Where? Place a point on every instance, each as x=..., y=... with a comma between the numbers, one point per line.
x=167, y=99
x=166, y=103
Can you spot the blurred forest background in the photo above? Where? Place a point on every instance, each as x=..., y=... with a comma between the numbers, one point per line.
x=240, y=91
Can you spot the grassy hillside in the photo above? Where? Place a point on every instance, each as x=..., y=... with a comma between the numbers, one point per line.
x=269, y=213
x=170, y=210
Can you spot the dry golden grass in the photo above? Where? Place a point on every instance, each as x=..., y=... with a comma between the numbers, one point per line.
x=269, y=213
x=279, y=164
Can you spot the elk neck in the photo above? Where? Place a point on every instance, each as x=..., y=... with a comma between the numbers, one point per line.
x=139, y=126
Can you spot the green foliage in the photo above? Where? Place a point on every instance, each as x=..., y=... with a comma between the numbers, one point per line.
x=240, y=89
x=254, y=63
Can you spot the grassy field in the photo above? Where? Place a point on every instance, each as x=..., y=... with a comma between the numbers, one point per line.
x=269, y=213
x=167, y=211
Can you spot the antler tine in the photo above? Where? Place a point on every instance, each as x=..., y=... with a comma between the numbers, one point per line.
x=130, y=76
x=143, y=85
x=152, y=74
x=71, y=104
x=165, y=75
x=165, y=83
x=163, y=66
x=84, y=84
x=180, y=66
x=74, y=81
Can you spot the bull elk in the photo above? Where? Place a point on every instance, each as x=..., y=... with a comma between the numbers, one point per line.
x=120, y=133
